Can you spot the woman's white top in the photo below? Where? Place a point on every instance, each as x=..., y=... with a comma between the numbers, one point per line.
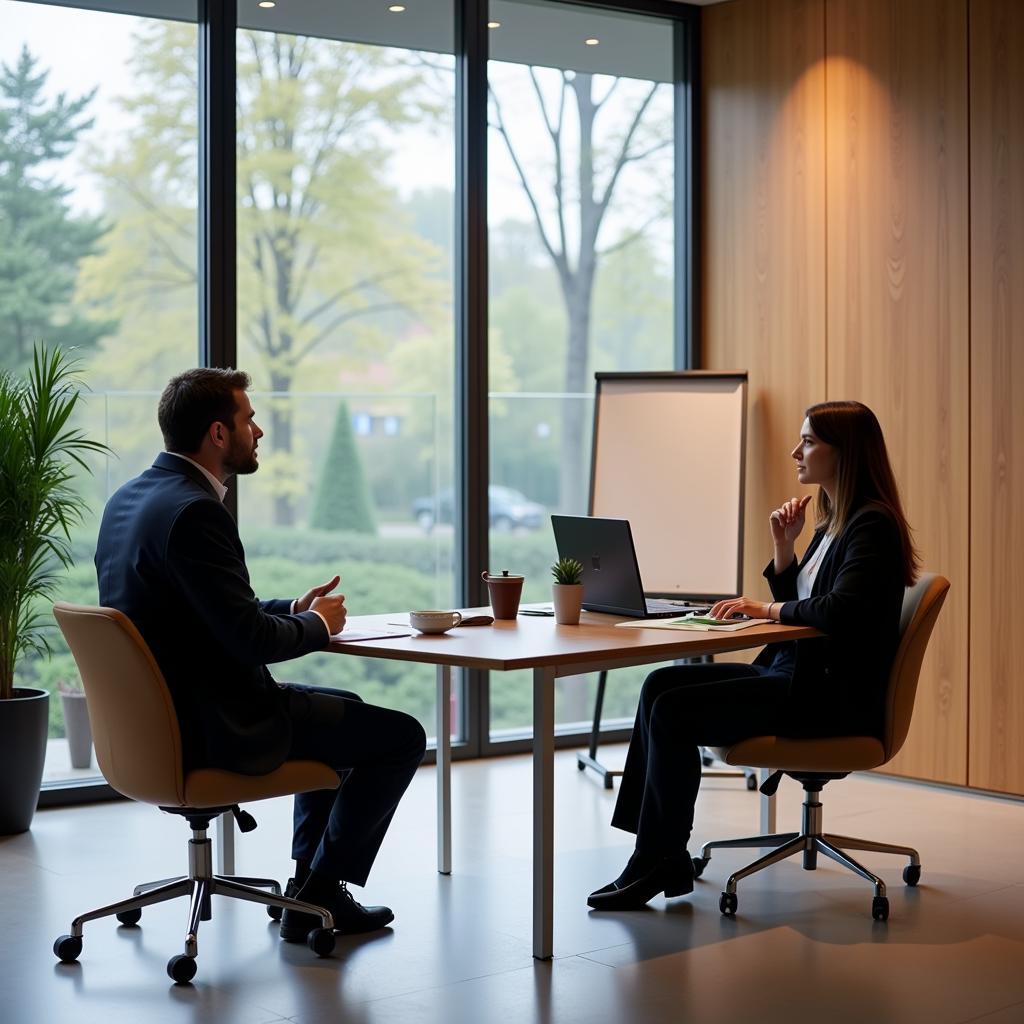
x=805, y=581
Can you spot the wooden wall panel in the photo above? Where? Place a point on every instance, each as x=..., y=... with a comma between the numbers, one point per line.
x=997, y=386
x=897, y=318
x=764, y=238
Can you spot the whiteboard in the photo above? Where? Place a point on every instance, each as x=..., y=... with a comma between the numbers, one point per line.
x=668, y=455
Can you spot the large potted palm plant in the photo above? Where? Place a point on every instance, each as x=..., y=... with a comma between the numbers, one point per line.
x=39, y=453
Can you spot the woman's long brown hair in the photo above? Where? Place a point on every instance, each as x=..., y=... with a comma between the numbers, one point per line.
x=864, y=473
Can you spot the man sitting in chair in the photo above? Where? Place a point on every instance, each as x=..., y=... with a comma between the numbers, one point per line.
x=169, y=557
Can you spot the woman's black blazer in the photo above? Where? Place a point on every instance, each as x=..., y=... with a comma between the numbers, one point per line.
x=840, y=679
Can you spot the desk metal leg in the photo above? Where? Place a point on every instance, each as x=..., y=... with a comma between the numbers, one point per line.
x=543, y=810
x=444, y=770
x=226, y=844
x=767, y=806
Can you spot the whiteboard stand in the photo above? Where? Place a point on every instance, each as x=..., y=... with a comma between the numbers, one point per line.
x=589, y=759
x=689, y=540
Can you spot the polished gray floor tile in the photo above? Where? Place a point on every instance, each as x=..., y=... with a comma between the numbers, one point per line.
x=802, y=944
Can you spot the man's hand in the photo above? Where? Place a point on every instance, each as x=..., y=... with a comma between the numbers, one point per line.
x=333, y=610
x=330, y=607
x=304, y=603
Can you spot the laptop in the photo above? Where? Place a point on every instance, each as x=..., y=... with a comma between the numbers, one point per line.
x=611, y=574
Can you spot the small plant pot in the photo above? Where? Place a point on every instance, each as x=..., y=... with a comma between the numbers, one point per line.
x=77, y=729
x=568, y=600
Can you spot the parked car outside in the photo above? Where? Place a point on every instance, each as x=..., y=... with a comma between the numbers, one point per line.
x=508, y=510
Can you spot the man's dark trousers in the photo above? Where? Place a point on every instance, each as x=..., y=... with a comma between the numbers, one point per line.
x=376, y=750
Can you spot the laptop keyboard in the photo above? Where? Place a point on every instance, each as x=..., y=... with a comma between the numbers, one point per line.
x=674, y=609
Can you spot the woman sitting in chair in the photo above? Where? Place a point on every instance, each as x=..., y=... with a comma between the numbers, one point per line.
x=849, y=585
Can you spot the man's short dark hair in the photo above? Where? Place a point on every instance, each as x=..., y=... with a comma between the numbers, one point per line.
x=195, y=399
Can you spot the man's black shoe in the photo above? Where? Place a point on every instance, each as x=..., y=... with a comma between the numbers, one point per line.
x=630, y=891
x=350, y=917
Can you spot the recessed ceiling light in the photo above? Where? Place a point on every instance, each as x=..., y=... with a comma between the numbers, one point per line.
x=396, y=8
x=267, y=3
x=494, y=24
x=592, y=41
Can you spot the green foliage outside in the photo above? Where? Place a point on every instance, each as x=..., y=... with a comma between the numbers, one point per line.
x=330, y=269
x=41, y=241
x=342, y=501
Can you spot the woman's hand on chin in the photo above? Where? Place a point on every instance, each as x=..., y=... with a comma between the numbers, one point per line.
x=787, y=521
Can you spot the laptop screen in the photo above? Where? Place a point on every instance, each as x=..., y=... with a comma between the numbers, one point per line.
x=611, y=576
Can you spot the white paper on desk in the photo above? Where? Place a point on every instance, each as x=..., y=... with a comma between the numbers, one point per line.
x=699, y=627
x=351, y=635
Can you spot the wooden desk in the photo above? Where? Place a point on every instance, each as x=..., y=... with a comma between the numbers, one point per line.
x=550, y=651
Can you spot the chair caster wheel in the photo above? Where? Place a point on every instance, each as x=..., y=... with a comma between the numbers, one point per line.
x=727, y=903
x=321, y=941
x=67, y=948
x=130, y=917
x=181, y=969
x=707, y=760
x=912, y=874
x=580, y=766
x=751, y=782
x=699, y=864
x=274, y=913
x=880, y=908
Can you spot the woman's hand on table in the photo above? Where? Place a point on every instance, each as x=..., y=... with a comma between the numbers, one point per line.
x=740, y=606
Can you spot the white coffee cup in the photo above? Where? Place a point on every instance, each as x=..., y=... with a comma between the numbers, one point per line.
x=433, y=621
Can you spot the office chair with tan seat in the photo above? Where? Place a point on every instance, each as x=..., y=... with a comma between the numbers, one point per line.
x=138, y=746
x=816, y=762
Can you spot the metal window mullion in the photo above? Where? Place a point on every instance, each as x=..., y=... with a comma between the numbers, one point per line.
x=217, y=125
x=471, y=373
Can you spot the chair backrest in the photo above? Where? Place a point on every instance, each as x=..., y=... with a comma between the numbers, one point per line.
x=921, y=605
x=134, y=725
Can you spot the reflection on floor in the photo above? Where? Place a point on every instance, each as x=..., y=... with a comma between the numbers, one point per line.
x=459, y=951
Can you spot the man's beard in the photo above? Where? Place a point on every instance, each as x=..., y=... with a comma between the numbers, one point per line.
x=240, y=462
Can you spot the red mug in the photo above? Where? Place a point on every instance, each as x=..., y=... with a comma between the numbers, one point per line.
x=504, y=591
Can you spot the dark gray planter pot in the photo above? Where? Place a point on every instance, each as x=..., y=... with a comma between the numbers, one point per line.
x=77, y=729
x=24, y=725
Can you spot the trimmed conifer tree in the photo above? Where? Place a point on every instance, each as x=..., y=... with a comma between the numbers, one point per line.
x=342, y=501
x=41, y=240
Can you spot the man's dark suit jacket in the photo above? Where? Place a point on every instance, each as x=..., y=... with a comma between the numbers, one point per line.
x=840, y=679
x=169, y=556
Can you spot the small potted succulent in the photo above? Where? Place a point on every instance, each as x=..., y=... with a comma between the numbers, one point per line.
x=567, y=591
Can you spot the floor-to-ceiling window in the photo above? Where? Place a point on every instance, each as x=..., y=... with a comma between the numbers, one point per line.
x=345, y=183
x=582, y=224
x=350, y=258
x=98, y=241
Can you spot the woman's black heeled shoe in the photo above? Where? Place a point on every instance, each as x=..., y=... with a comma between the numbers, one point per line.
x=672, y=876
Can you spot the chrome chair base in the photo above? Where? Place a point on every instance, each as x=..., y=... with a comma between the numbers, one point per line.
x=810, y=841
x=200, y=884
